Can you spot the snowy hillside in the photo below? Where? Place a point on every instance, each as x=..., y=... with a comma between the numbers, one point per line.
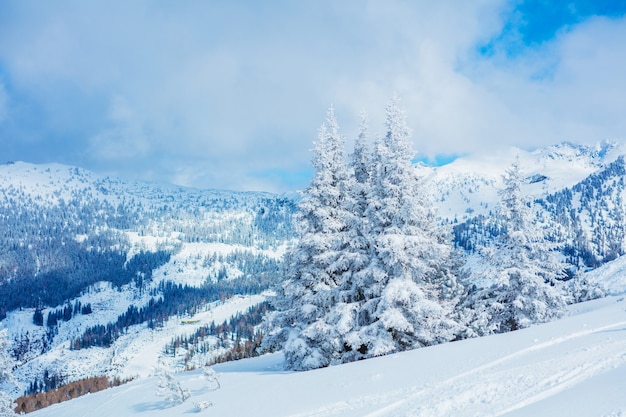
x=468, y=186
x=612, y=276
x=133, y=354
x=83, y=251
x=51, y=183
x=575, y=367
x=578, y=199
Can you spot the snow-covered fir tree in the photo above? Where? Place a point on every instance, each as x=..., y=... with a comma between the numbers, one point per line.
x=580, y=289
x=343, y=316
x=314, y=267
x=409, y=286
x=527, y=287
x=373, y=272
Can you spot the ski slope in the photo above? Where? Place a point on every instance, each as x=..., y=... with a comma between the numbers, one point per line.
x=575, y=366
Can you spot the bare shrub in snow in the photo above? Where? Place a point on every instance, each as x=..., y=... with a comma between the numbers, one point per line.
x=169, y=388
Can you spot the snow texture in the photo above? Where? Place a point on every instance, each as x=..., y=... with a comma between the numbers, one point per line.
x=575, y=366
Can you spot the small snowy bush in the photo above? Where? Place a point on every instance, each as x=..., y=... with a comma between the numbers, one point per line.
x=169, y=388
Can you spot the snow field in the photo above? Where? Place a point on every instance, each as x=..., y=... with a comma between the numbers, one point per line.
x=575, y=366
x=610, y=276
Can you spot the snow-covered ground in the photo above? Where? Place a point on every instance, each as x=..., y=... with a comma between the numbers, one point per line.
x=134, y=354
x=575, y=366
x=611, y=276
x=137, y=354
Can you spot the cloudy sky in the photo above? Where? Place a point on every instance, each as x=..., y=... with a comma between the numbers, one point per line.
x=230, y=94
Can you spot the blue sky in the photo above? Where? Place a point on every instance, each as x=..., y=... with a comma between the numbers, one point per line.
x=231, y=94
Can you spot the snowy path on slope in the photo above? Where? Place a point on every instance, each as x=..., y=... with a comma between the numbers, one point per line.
x=138, y=352
x=520, y=379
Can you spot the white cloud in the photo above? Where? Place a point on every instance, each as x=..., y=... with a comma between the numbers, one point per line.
x=567, y=89
x=570, y=88
x=124, y=139
x=241, y=88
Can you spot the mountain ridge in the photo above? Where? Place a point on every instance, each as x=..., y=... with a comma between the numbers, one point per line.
x=468, y=186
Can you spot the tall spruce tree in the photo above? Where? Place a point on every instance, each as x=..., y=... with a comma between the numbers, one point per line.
x=356, y=255
x=373, y=272
x=527, y=271
x=408, y=285
x=314, y=268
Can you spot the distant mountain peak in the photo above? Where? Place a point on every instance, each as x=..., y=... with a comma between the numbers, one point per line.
x=468, y=185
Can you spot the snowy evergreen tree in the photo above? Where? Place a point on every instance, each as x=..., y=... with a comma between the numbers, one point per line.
x=314, y=267
x=580, y=289
x=524, y=263
x=357, y=252
x=339, y=318
x=373, y=272
x=408, y=287
x=360, y=162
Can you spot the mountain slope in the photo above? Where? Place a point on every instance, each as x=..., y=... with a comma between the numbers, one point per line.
x=63, y=229
x=468, y=186
x=575, y=366
x=584, y=219
x=70, y=238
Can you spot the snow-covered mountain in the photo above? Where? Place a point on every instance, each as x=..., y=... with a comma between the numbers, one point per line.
x=579, y=190
x=101, y=276
x=43, y=205
x=468, y=186
x=84, y=259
